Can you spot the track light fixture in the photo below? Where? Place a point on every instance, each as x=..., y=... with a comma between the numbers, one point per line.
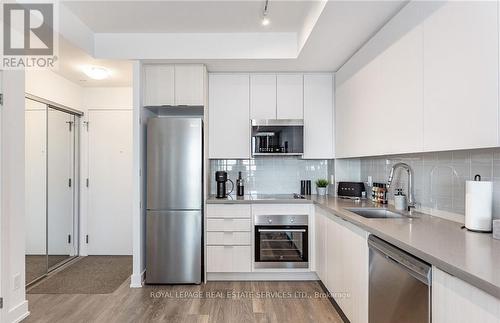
x=265, y=20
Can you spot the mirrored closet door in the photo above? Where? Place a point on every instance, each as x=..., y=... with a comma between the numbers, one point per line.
x=52, y=149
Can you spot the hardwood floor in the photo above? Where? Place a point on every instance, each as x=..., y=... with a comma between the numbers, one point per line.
x=214, y=302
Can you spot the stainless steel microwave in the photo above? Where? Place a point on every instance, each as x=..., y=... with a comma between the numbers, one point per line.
x=272, y=137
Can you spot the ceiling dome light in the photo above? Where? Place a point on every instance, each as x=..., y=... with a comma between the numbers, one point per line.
x=96, y=72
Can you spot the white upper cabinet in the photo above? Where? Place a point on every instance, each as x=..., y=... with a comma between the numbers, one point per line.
x=357, y=101
x=428, y=81
x=398, y=122
x=461, y=76
x=190, y=85
x=290, y=96
x=263, y=96
x=229, y=116
x=318, y=116
x=174, y=85
x=159, y=85
x=380, y=109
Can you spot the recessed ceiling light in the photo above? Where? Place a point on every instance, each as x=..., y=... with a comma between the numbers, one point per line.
x=265, y=20
x=96, y=72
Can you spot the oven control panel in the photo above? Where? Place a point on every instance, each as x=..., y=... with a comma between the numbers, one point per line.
x=281, y=219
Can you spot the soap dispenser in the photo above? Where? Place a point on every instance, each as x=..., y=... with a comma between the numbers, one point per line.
x=400, y=202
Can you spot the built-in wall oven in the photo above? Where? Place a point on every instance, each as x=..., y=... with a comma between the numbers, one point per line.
x=281, y=241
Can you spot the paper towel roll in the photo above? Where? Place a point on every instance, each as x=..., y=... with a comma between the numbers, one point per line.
x=478, y=205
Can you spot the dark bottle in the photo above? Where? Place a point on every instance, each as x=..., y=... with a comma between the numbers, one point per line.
x=240, y=186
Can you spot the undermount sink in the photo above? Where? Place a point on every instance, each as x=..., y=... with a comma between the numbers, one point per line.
x=376, y=213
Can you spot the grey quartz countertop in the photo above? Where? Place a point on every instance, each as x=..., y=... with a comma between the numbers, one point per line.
x=472, y=257
x=259, y=199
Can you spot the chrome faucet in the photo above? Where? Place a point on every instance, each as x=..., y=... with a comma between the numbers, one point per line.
x=409, y=171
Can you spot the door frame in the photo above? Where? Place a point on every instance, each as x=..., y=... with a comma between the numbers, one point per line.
x=2, y=310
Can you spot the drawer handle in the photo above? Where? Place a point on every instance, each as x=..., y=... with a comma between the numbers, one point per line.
x=282, y=230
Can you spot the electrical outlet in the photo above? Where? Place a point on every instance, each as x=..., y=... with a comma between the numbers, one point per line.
x=17, y=281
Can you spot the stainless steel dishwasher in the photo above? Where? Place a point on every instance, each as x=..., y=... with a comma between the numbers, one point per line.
x=400, y=285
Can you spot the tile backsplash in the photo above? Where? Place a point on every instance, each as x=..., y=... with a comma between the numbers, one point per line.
x=271, y=175
x=439, y=177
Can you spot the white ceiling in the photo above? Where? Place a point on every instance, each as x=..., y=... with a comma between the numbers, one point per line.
x=190, y=16
x=341, y=28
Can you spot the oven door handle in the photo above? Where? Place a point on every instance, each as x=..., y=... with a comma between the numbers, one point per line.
x=282, y=230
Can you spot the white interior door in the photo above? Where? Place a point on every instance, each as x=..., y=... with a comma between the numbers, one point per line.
x=109, y=222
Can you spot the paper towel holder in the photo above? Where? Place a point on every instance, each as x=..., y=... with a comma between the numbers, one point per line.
x=478, y=214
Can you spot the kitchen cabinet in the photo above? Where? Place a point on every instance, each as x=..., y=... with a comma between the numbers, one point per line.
x=398, y=122
x=347, y=266
x=159, y=85
x=190, y=85
x=174, y=85
x=289, y=96
x=379, y=110
x=461, y=76
x=229, y=116
x=428, y=87
x=228, y=238
x=318, y=116
x=320, y=245
x=455, y=301
x=229, y=259
x=263, y=96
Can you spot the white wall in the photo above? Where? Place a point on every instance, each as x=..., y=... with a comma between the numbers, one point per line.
x=12, y=212
x=51, y=86
x=139, y=194
x=107, y=98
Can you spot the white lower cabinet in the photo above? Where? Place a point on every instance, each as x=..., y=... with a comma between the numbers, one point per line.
x=320, y=245
x=228, y=238
x=455, y=301
x=229, y=259
x=346, y=261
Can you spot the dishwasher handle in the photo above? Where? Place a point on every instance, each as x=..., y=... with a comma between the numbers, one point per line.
x=414, y=266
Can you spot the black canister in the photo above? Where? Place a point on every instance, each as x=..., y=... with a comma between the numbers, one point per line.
x=308, y=187
x=303, y=187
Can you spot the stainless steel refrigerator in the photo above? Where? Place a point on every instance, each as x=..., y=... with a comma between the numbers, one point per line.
x=174, y=200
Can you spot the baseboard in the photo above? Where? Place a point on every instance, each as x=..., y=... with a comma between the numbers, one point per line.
x=334, y=303
x=137, y=280
x=262, y=276
x=18, y=313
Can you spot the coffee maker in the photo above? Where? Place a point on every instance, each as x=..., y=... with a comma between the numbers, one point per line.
x=221, y=179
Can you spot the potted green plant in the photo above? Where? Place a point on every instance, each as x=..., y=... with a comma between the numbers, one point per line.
x=321, y=185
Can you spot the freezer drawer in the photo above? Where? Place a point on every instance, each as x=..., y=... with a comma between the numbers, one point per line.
x=173, y=247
